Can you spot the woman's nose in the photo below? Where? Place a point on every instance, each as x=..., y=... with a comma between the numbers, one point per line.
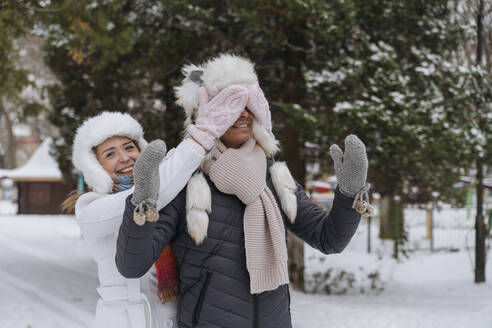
x=245, y=113
x=124, y=157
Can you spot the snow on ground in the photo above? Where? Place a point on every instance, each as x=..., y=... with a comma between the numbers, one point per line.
x=424, y=290
x=49, y=278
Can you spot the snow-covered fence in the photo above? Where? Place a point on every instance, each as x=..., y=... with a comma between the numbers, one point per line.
x=355, y=271
x=452, y=228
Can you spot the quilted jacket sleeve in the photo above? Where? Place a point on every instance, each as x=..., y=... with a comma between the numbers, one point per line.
x=138, y=247
x=329, y=232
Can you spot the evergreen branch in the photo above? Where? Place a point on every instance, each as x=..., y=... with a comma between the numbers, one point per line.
x=42, y=10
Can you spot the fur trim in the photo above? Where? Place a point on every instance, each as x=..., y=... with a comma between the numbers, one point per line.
x=227, y=69
x=285, y=187
x=265, y=139
x=187, y=92
x=197, y=222
x=94, y=131
x=198, y=206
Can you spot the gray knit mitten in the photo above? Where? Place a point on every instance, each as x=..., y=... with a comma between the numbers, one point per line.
x=146, y=179
x=351, y=172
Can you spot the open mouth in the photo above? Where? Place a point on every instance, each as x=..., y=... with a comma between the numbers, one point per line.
x=239, y=126
x=125, y=171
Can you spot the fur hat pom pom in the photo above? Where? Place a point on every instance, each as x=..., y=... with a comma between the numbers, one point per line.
x=286, y=189
x=198, y=205
x=265, y=139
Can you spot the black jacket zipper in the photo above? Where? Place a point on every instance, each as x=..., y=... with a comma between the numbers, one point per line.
x=255, y=311
x=201, y=298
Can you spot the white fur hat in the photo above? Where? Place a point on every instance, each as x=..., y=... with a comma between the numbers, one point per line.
x=94, y=131
x=215, y=75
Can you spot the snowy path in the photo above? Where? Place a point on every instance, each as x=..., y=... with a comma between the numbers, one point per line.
x=49, y=280
x=427, y=290
x=444, y=299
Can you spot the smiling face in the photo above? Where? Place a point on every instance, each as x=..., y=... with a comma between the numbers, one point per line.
x=117, y=155
x=240, y=131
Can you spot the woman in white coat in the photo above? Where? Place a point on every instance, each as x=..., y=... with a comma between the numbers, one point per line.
x=105, y=149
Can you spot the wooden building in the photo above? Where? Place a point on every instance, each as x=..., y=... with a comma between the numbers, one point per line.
x=40, y=189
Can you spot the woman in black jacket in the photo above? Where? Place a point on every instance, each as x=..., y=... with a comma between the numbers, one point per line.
x=228, y=227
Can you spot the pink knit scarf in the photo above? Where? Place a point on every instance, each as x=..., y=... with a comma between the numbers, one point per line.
x=242, y=172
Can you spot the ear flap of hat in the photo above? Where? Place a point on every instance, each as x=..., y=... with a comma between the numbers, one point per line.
x=285, y=186
x=187, y=92
x=94, y=174
x=265, y=139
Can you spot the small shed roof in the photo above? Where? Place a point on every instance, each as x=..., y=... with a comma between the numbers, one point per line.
x=40, y=167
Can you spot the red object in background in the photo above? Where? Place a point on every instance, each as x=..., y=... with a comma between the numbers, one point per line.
x=487, y=183
x=321, y=187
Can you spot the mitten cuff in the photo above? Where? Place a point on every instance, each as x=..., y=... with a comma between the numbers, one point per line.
x=203, y=137
x=195, y=146
x=145, y=211
x=361, y=202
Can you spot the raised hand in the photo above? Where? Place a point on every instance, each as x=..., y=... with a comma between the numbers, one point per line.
x=146, y=179
x=214, y=117
x=351, y=166
x=351, y=171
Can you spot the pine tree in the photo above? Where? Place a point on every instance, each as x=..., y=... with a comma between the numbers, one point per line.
x=380, y=69
x=394, y=84
x=15, y=21
x=126, y=56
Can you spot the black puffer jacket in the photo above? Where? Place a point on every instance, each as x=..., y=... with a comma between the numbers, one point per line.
x=214, y=281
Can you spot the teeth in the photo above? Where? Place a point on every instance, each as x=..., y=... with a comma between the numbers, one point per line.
x=128, y=169
x=241, y=126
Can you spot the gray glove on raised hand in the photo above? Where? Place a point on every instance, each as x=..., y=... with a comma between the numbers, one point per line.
x=146, y=180
x=351, y=171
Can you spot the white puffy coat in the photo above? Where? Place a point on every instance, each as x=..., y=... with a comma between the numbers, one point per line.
x=131, y=303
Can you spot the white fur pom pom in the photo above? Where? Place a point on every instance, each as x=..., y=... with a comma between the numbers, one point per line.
x=197, y=221
x=198, y=205
x=198, y=194
x=286, y=189
x=265, y=139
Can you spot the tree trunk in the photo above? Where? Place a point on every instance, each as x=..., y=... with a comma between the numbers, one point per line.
x=296, y=261
x=293, y=154
x=391, y=222
x=479, y=229
x=387, y=227
x=11, y=158
x=479, y=224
